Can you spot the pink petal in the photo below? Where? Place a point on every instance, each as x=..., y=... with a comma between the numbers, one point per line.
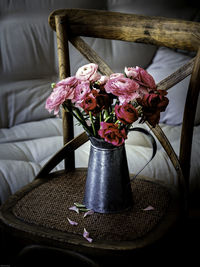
x=149, y=208
x=74, y=208
x=72, y=222
x=86, y=236
x=89, y=212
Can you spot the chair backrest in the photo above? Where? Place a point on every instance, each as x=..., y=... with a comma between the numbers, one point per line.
x=70, y=24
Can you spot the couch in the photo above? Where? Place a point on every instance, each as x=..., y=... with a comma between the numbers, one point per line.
x=29, y=135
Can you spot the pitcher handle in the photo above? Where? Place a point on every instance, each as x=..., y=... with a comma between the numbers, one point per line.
x=153, y=144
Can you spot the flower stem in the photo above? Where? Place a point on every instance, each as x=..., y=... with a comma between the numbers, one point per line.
x=78, y=117
x=117, y=122
x=92, y=122
x=100, y=117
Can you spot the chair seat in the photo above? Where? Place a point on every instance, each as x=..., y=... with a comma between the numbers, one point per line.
x=40, y=210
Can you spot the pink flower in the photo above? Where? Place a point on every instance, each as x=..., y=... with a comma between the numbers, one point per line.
x=144, y=78
x=81, y=90
x=141, y=76
x=88, y=73
x=117, y=75
x=112, y=134
x=103, y=80
x=130, y=72
x=126, y=113
x=125, y=88
x=56, y=98
x=68, y=82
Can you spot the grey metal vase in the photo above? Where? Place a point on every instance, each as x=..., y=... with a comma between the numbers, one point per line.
x=108, y=187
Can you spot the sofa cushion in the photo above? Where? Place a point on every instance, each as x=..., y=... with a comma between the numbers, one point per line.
x=25, y=148
x=165, y=62
x=28, y=61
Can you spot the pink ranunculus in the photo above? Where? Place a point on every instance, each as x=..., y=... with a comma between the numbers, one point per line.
x=126, y=113
x=56, y=98
x=112, y=134
x=81, y=90
x=103, y=80
x=68, y=82
x=88, y=73
x=145, y=78
x=131, y=72
x=125, y=88
x=116, y=75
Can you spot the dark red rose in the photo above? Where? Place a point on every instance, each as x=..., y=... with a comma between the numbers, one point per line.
x=103, y=101
x=164, y=101
x=154, y=100
x=126, y=113
x=112, y=134
x=152, y=104
x=152, y=116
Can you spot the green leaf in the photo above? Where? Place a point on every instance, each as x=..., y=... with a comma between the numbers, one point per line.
x=79, y=205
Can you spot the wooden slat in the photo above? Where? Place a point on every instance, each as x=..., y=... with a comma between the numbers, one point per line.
x=159, y=31
x=64, y=71
x=176, y=76
x=91, y=55
x=164, y=141
x=189, y=117
x=64, y=152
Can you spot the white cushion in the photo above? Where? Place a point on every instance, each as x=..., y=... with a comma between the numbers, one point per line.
x=165, y=62
x=24, y=149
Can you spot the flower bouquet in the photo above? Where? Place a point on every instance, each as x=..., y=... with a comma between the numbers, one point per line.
x=106, y=106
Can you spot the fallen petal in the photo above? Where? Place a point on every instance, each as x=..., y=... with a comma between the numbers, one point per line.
x=86, y=236
x=74, y=208
x=72, y=222
x=89, y=212
x=149, y=208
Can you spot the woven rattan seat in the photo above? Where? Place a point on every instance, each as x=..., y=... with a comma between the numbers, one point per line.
x=48, y=206
x=41, y=209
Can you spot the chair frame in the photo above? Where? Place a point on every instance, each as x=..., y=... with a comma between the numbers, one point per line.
x=69, y=25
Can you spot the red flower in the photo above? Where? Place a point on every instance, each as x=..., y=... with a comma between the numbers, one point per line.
x=153, y=103
x=112, y=134
x=154, y=100
x=103, y=101
x=89, y=103
x=152, y=117
x=126, y=113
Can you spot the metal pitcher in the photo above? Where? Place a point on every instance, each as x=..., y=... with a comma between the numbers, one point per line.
x=108, y=185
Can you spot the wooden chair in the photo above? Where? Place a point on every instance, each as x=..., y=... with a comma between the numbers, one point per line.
x=69, y=25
